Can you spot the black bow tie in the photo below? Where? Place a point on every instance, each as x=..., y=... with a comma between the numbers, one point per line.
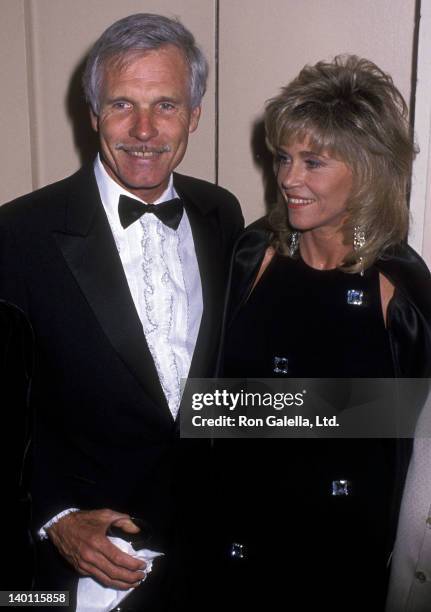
x=130, y=210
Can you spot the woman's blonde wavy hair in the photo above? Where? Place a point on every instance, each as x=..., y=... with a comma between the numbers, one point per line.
x=352, y=110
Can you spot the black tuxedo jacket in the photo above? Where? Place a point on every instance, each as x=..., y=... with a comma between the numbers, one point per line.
x=16, y=357
x=103, y=433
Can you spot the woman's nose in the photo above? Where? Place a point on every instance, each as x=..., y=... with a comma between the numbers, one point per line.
x=290, y=175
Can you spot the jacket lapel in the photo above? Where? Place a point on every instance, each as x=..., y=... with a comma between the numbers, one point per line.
x=89, y=249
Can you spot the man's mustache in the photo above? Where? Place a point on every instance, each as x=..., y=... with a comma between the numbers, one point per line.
x=142, y=148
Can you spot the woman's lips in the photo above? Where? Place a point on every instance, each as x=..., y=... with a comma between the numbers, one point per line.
x=298, y=202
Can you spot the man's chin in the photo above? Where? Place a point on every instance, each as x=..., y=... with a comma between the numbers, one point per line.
x=146, y=190
x=141, y=180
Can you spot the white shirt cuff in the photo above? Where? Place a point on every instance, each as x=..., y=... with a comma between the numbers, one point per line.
x=42, y=531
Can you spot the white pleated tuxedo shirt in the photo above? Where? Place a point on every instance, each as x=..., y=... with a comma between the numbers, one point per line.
x=163, y=276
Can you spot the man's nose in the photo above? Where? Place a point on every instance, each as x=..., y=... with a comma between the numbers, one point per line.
x=143, y=126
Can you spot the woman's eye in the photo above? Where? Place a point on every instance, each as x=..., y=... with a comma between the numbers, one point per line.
x=313, y=163
x=282, y=159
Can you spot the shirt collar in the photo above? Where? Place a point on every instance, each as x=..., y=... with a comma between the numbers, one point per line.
x=110, y=190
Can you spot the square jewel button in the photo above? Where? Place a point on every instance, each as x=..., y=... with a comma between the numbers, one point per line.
x=341, y=488
x=355, y=297
x=281, y=365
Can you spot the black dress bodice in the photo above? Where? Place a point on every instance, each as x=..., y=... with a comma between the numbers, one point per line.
x=327, y=324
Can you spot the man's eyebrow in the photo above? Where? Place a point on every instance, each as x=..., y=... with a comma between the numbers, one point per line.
x=173, y=99
x=120, y=98
x=111, y=99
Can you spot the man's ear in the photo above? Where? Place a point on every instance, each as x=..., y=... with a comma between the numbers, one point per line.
x=94, y=120
x=194, y=118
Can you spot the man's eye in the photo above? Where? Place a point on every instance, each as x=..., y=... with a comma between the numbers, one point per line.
x=166, y=106
x=121, y=104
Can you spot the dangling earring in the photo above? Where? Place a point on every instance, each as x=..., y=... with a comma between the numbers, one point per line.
x=359, y=243
x=294, y=243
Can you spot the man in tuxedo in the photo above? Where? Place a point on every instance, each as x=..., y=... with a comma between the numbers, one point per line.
x=121, y=270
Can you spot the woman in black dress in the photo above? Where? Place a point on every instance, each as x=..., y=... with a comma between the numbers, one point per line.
x=325, y=287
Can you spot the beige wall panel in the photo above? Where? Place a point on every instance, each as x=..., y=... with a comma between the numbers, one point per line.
x=15, y=154
x=263, y=45
x=62, y=32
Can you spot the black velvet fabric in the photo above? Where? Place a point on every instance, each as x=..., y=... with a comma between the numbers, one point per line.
x=303, y=315
x=302, y=543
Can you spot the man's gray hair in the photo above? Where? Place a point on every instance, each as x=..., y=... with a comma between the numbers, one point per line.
x=143, y=31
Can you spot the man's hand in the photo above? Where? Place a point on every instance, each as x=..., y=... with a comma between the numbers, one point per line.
x=81, y=538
